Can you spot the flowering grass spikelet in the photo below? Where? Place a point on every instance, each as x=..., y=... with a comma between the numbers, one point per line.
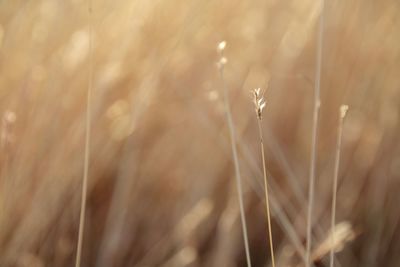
x=259, y=102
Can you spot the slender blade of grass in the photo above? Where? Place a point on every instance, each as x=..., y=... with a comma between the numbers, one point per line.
x=235, y=161
x=314, y=137
x=87, y=145
x=266, y=192
x=343, y=110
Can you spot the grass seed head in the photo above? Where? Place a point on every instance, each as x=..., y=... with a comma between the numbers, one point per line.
x=221, y=46
x=343, y=110
x=259, y=102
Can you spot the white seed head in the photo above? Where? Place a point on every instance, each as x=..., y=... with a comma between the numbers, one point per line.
x=222, y=61
x=221, y=46
x=342, y=234
x=343, y=110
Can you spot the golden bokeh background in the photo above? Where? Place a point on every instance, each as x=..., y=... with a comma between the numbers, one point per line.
x=161, y=179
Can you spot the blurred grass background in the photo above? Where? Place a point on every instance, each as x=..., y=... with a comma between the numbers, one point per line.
x=161, y=184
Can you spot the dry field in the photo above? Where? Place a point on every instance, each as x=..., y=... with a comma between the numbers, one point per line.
x=161, y=180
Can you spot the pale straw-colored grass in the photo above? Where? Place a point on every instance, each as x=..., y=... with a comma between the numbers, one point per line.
x=314, y=136
x=342, y=111
x=221, y=64
x=260, y=103
x=85, y=176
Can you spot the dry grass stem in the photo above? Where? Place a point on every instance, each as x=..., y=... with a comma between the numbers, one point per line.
x=342, y=111
x=85, y=176
x=221, y=64
x=118, y=148
x=317, y=104
x=259, y=103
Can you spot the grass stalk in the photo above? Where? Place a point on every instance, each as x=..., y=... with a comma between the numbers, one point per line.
x=221, y=64
x=85, y=176
x=317, y=104
x=343, y=110
x=260, y=104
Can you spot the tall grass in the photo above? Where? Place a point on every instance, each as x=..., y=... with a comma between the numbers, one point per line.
x=260, y=103
x=342, y=114
x=221, y=64
x=156, y=147
x=314, y=136
x=86, y=162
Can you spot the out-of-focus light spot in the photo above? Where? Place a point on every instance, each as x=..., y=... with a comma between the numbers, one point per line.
x=110, y=73
x=195, y=216
x=120, y=119
x=229, y=217
x=77, y=49
x=64, y=247
x=187, y=255
x=6, y=136
x=213, y=95
x=118, y=108
x=254, y=23
x=294, y=40
x=299, y=29
x=10, y=117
